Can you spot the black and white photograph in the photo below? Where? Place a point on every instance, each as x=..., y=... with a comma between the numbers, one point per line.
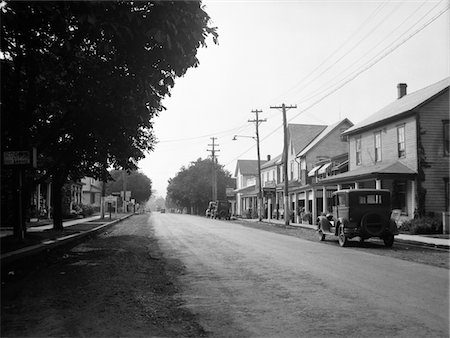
x=225, y=168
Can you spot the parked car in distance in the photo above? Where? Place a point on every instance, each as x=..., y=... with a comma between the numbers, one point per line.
x=211, y=206
x=221, y=210
x=362, y=213
x=162, y=211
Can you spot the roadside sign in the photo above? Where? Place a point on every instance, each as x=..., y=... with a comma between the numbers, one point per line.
x=20, y=157
x=110, y=199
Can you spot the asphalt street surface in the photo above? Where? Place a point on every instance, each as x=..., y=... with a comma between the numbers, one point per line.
x=171, y=275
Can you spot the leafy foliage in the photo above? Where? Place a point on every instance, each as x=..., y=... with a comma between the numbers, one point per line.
x=136, y=182
x=422, y=225
x=82, y=80
x=192, y=186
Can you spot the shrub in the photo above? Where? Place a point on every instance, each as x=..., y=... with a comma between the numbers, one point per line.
x=307, y=217
x=423, y=225
x=87, y=210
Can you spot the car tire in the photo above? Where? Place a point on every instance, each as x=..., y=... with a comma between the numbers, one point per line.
x=388, y=241
x=343, y=240
x=321, y=235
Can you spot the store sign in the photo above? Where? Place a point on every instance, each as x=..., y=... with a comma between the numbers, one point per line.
x=19, y=157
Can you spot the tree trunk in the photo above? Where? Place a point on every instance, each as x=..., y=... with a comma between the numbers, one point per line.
x=19, y=226
x=57, y=184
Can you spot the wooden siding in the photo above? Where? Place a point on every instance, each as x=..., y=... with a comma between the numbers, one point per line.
x=331, y=146
x=431, y=116
x=389, y=151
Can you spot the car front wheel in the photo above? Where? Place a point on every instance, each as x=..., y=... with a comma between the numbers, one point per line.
x=343, y=240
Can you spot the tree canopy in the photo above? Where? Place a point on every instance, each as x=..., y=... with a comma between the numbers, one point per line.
x=192, y=186
x=82, y=80
x=136, y=182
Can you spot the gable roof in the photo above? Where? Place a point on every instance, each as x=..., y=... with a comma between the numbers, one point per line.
x=248, y=167
x=323, y=134
x=403, y=105
x=302, y=134
x=272, y=162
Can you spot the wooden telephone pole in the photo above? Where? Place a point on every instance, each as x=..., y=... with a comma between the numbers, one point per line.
x=257, y=121
x=285, y=159
x=214, y=172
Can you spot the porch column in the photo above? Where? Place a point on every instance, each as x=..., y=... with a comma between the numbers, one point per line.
x=269, y=208
x=38, y=199
x=306, y=201
x=295, y=208
x=339, y=187
x=413, y=203
x=314, y=206
x=377, y=184
x=324, y=200
x=356, y=185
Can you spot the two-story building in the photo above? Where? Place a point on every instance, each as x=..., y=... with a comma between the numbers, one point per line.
x=92, y=191
x=299, y=137
x=247, y=189
x=325, y=155
x=404, y=147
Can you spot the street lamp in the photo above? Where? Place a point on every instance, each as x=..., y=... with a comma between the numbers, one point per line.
x=260, y=195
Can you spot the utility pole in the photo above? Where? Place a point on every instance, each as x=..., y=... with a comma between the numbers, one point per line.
x=214, y=172
x=285, y=159
x=257, y=121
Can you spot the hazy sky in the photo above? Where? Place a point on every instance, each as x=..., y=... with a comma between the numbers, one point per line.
x=333, y=59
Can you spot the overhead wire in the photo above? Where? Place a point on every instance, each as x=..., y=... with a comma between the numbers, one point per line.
x=322, y=90
x=367, y=66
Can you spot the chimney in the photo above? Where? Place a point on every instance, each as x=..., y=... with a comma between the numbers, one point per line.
x=268, y=157
x=401, y=90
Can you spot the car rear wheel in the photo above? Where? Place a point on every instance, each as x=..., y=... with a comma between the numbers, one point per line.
x=343, y=240
x=388, y=241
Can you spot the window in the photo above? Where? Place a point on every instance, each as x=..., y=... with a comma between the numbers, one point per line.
x=370, y=199
x=378, y=146
x=358, y=150
x=446, y=138
x=401, y=141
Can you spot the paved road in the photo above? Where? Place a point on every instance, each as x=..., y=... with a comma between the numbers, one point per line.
x=245, y=282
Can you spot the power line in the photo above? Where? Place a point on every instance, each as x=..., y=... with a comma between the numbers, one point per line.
x=355, y=75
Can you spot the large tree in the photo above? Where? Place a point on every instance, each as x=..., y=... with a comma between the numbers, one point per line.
x=191, y=188
x=136, y=182
x=81, y=81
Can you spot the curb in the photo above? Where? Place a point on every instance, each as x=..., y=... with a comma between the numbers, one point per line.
x=398, y=240
x=49, y=245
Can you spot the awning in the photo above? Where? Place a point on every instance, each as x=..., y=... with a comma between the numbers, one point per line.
x=324, y=168
x=340, y=165
x=313, y=171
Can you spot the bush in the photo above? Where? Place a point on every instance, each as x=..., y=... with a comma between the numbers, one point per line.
x=423, y=225
x=87, y=210
x=307, y=217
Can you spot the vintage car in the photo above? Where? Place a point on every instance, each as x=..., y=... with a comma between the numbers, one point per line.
x=362, y=213
x=221, y=210
x=211, y=206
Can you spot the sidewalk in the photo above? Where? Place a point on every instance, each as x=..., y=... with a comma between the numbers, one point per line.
x=443, y=243
x=41, y=238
